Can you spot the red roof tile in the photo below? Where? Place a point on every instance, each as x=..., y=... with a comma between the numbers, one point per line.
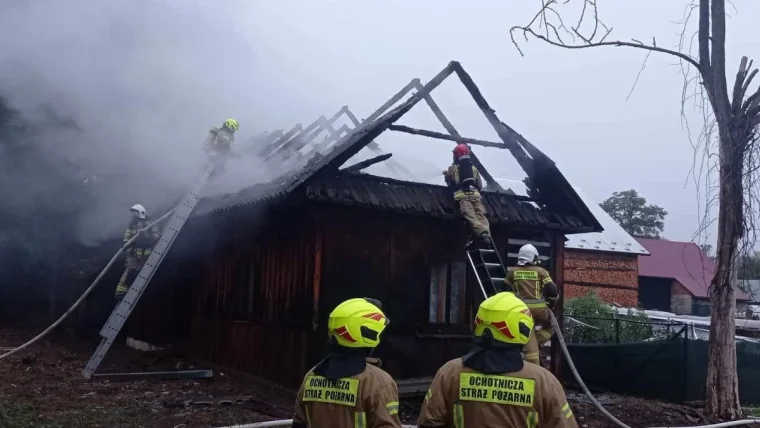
x=683, y=261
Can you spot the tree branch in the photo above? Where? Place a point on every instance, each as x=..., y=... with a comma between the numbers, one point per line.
x=527, y=30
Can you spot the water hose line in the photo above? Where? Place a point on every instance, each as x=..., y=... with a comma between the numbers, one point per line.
x=86, y=292
x=598, y=405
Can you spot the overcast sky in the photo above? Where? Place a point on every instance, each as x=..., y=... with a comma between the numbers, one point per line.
x=570, y=104
x=157, y=77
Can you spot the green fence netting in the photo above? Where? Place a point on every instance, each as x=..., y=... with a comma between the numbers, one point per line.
x=672, y=369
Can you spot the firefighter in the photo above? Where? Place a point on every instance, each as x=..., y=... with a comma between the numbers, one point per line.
x=140, y=249
x=492, y=385
x=349, y=389
x=534, y=285
x=463, y=177
x=219, y=140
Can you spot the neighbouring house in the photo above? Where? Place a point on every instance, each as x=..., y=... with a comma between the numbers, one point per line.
x=675, y=277
x=256, y=273
x=606, y=262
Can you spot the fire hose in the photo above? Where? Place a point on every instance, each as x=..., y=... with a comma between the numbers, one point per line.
x=288, y=422
x=86, y=292
x=576, y=375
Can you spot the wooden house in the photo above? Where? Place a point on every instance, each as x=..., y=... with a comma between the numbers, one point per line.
x=255, y=274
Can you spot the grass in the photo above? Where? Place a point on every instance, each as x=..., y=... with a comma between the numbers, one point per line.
x=23, y=414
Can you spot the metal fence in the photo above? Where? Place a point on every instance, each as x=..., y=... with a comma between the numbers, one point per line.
x=652, y=359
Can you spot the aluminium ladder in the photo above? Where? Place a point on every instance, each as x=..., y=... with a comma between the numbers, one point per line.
x=488, y=267
x=122, y=311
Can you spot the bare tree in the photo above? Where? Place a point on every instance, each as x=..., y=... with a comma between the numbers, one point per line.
x=730, y=121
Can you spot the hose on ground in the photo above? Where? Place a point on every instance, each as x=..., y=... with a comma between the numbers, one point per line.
x=598, y=405
x=566, y=352
x=86, y=292
x=282, y=423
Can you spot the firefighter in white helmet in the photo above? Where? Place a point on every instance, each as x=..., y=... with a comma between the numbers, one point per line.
x=535, y=287
x=138, y=252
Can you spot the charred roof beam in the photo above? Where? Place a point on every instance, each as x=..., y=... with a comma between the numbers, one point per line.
x=394, y=166
x=510, y=143
x=442, y=136
x=424, y=92
x=367, y=163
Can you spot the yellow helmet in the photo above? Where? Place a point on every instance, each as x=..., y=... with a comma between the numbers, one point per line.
x=357, y=323
x=232, y=124
x=507, y=317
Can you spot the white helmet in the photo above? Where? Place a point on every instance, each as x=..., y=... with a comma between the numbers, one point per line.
x=528, y=254
x=139, y=210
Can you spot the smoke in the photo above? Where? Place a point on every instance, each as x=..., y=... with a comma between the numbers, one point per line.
x=119, y=95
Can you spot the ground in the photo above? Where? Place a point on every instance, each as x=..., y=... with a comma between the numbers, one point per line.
x=42, y=386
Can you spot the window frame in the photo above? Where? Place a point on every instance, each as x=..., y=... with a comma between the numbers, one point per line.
x=455, y=270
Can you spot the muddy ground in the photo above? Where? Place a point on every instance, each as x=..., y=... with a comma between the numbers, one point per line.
x=42, y=386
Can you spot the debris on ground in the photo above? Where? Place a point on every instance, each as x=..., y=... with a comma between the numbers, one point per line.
x=43, y=387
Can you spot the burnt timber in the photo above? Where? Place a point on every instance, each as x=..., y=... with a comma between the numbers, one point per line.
x=257, y=272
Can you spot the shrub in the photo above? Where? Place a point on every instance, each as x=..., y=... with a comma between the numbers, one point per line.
x=607, y=326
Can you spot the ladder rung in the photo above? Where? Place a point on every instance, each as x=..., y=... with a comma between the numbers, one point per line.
x=487, y=251
x=497, y=280
x=492, y=265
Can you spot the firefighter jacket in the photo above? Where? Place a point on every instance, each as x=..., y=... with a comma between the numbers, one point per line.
x=143, y=245
x=366, y=400
x=219, y=140
x=463, y=186
x=531, y=284
x=461, y=397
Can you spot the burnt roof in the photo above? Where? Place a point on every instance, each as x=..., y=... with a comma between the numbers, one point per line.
x=343, y=150
x=556, y=202
x=364, y=190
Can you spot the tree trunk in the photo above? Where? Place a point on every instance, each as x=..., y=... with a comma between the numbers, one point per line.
x=722, y=383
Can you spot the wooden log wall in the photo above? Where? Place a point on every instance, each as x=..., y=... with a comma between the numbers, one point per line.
x=614, y=276
x=254, y=303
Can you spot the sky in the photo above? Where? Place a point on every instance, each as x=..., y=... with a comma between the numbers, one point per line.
x=146, y=79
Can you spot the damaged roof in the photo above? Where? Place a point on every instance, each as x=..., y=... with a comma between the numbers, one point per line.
x=552, y=202
x=430, y=200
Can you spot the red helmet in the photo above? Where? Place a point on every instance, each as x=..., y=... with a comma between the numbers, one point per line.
x=461, y=150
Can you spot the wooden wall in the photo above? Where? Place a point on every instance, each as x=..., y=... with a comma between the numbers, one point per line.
x=254, y=302
x=614, y=276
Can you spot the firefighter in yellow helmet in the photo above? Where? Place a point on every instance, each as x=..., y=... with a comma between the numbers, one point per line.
x=492, y=386
x=219, y=140
x=348, y=389
x=535, y=287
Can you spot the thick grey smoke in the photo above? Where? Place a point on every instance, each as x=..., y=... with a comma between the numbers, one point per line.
x=142, y=81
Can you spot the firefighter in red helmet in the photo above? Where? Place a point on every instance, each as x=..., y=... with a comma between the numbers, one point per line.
x=464, y=179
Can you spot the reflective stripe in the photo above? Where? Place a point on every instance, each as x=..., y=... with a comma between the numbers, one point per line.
x=532, y=419
x=534, y=303
x=429, y=393
x=392, y=407
x=566, y=411
x=121, y=289
x=546, y=280
x=532, y=357
x=458, y=416
x=544, y=334
x=360, y=419
x=459, y=193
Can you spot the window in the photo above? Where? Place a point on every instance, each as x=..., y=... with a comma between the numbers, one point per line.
x=244, y=289
x=448, y=293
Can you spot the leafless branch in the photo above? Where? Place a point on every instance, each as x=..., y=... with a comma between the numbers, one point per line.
x=548, y=8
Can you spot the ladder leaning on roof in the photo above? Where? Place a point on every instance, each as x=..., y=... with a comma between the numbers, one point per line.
x=488, y=268
x=119, y=316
